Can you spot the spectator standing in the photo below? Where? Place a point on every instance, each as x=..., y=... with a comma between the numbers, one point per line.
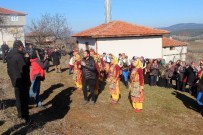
x=18, y=72
x=191, y=73
x=56, y=56
x=154, y=72
x=5, y=50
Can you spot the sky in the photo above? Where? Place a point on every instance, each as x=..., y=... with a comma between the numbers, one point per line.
x=84, y=14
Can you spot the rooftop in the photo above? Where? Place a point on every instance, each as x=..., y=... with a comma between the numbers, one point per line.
x=4, y=11
x=119, y=29
x=167, y=42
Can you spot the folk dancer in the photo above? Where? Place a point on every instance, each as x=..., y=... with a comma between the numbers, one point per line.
x=114, y=80
x=137, y=86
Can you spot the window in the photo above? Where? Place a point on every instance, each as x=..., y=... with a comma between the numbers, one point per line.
x=172, y=48
x=14, y=18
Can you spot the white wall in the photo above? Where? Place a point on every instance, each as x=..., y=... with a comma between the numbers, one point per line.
x=10, y=34
x=82, y=42
x=149, y=47
x=179, y=53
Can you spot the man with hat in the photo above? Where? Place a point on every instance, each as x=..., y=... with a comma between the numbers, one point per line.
x=18, y=72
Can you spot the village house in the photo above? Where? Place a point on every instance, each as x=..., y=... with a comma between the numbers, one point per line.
x=13, y=26
x=174, y=50
x=121, y=37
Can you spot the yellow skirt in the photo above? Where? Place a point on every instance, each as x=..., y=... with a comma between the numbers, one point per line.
x=78, y=85
x=115, y=96
x=137, y=105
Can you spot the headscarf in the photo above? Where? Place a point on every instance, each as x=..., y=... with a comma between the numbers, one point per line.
x=77, y=57
x=114, y=60
x=138, y=63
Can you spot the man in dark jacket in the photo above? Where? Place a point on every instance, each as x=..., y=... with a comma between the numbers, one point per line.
x=56, y=56
x=5, y=50
x=18, y=72
x=191, y=73
x=89, y=76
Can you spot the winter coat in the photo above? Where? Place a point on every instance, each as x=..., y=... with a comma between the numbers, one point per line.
x=191, y=74
x=37, y=69
x=18, y=69
x=56, y=56
x=154, y=70
x=89, y=71
x=4, y=48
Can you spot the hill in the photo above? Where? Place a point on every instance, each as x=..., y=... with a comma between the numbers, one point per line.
x=186, y=29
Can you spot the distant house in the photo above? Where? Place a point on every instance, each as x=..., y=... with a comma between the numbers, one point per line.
x=121, y=37
x=174, y=50
x=33, y=38
x=13, y=26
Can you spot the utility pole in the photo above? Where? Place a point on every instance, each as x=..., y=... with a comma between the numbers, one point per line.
x=107, y=11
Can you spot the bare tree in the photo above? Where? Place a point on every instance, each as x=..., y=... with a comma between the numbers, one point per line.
x=52, y=27
x=39, y=29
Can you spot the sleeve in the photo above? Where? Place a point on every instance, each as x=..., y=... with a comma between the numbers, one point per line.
x=41, y=64
x=117, y=69
x=20, y=63
x=141, y=78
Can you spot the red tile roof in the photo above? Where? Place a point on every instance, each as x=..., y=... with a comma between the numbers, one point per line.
x=119, y=29
x=4, y=11
x=167, y=42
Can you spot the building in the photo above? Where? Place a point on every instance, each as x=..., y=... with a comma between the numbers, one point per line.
x=33, y=38
x=121, y=37
x=13, y=26
x=174, y=50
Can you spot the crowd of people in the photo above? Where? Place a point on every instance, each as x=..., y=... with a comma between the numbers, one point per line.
x=27, y=66
x=134, y=73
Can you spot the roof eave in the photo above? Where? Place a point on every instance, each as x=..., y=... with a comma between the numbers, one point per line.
x=111, y=36
x=173, y=45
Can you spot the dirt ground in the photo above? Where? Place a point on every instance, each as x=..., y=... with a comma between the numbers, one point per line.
x=166, y=111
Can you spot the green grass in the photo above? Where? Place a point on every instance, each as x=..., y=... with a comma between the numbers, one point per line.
x=166, y=111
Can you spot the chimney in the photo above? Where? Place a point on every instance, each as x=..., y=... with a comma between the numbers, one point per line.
x=107, y=11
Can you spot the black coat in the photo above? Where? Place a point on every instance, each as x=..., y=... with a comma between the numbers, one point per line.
x=89, y=71
x=56, y=56
x=191, y=74
x=4, y=48
x=18, y=69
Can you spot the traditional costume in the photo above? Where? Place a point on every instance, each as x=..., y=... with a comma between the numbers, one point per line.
x=100, y=65
x=137, y=86
x=77, y=72
x=114, y=80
